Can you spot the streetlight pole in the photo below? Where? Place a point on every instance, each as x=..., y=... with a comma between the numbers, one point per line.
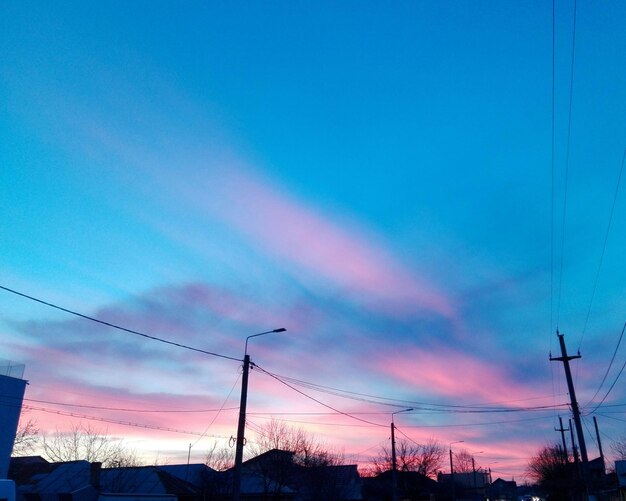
x=452, y=468
x=241, y=426
x=394, y=466
x=474, y=467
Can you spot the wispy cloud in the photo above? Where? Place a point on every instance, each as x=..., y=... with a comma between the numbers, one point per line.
x=455, y=375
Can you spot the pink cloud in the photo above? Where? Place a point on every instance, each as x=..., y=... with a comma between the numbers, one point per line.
x=61, y=404
x=453, y=374
x=301, y=236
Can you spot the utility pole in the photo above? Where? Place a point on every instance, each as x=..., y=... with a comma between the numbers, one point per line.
x=595, y=422
x=452, y=469
x=565, y=358
x=563, y=430
x=474, y=471
x=394, y=464
x=394, y=467
x=241, y=426
x=574, y=446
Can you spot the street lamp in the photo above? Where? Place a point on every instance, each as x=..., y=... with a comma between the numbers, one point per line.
x=452, y=468
x=394, y=468
x=242, y=415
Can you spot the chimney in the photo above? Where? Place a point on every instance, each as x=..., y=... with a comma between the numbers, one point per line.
x=94, y=475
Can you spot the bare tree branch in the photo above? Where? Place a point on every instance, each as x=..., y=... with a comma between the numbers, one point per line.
x=26, y=438
x=426, y=459
x=86, y=443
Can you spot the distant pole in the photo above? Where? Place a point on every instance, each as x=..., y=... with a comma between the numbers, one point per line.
x=394, y=467
x=595, y=422
x=575, y=410
x=188, y=458
x=452, y=476
x=563, y=430
x=474, y=471
x=452, y=469
x=574, y=446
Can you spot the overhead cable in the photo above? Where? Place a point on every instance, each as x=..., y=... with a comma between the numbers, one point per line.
x=612, y=385
x=113, y=421
x=315, y=399
x=421, y=406
x=118, y=327
x=217, y=414
x=619, y=341
x=124, y=409
x=567, y=157
x=606, y=237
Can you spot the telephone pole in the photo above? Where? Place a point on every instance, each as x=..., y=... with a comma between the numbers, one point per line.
x=241, y=424
x=565, y=358
x=563, y=430
x=595, y=422
x=394, y=464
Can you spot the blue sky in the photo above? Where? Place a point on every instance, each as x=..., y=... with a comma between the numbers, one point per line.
x=378, y=179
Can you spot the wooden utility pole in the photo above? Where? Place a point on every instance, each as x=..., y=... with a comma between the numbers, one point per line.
x=241, y=424
x=565, y=358
x=595, y=422
x=394, y=465
x=241, y=429
x=563, y=430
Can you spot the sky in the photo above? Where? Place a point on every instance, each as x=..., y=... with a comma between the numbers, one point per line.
x=421, y=193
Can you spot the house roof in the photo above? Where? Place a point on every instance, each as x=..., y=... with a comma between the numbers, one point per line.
x=252, y=483
x=64, y=477
x=196, y=474
x=143, y=480
x=22, y=469
x=498, y=481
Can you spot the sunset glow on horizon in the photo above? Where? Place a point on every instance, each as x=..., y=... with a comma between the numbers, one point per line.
x=380, y=181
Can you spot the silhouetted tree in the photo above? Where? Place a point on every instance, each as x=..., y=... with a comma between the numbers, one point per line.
x=619, y=448
x=298, y=460
x=219, y=458
x=463, y=461
x=86, y=443
x=26, y=438
x=308, y=451
x=554, y=472
x=426, y=459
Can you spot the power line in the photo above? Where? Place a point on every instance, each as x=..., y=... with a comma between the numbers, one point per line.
x=612, y=385
x=567, y=157
x=217, y=414
x=552, y=183
x=487, y=423
x=123, y=409
x=315, y=399
x=317, y=423
x=606, y=237
x=424, y=405
x=406, y=436
x=118, y=327
x=113, y=421
x=609, y=366
x=451, y=409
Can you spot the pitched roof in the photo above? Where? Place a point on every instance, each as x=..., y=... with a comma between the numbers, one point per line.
x=143, y=480
x=197, y=474
x=64, y=477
